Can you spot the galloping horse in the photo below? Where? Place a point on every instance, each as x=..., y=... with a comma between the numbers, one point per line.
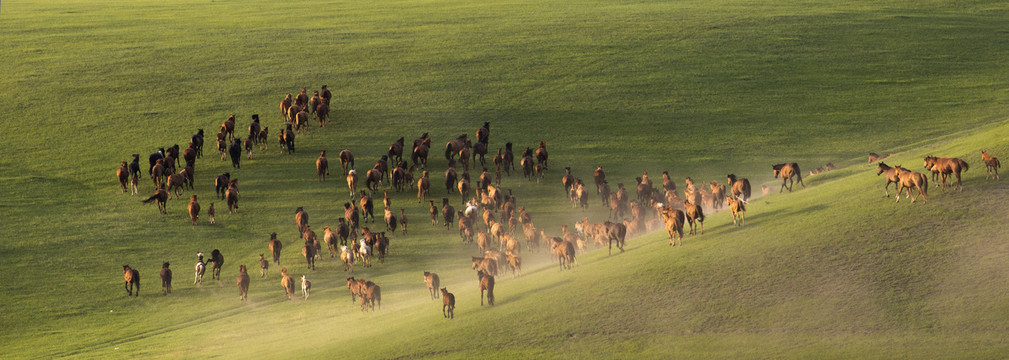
x=991, y=164
x=909, y=179
x=787, y=171
x=946, y=167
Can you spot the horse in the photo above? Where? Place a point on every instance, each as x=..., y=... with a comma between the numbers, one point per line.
x=447, y=304
x=891, y=176
x=390, y=221
x=909, y=179
x=287, y=283
x=329, y=237
x=218, y=260
x=372, y=179
x=347, y=258
x=275, y=247
x=433, y=282
x=123, y=174
x=695, y=217
x=452, y=147
x=447, y=213
x=300, y=219
x=176, y=184
x=232, y=196
x=322, y=114
x=740, y=188
x=264, y=265
x=355, y=288
x=738, y=210
x=565, y=252
x=166, y=279
x=322, y=166
x=161, y=196
x=235, y=150
x=261, y=138
x=309, y=251
x=402, y=220
x=541, y=154
x=351, y=216
x=423, y=187
x=371, y=294
x=514, y=263
x=285, y=105
x=396, y=150
x=946, y=167
x=243, y=283
x=615, y=233
x=200, y=268
x=991, y=164
x=674, y=219
x=221, y=184
x=287, y=140
x=153, y=159
x=367, y=207
x=717, y=195
x=486, y=283
x=352, y=182
x=131, y=277
x=248, y=147
x=485, y=264
x=194, y=209
x=420, y=152
x=508, y=162
x=228, y=127
x=787, y=171
x=306, y=286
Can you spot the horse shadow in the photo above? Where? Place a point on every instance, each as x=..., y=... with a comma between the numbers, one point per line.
x=769, y=216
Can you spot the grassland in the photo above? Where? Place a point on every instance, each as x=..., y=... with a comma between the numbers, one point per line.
x=697, y=88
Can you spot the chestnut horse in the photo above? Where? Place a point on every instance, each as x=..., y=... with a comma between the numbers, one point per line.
x=740, y=188
x=946, y=167
x=131, y=277
x=909, y=179
x=448, y=304
x=891, y=176
x=991, y=164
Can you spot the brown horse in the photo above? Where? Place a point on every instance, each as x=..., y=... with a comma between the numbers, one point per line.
x=485, y=264
x=285, y=105
x=243, y=283
x=352, y=182
x=275, y=247
x=695, y=217
x=264, y=265
x=738, y=209
x=322, y=166
x=486, y=284
x=447, y=304
x=309, y=251
x=322, y=114
x=300, y=219
x=541, y=155
x=123, y=174
x=991, y=164
x=674, y=219
x=946, y=167
x=423, y=187
x=371, y=294
x=615, y=233
x=232, y=196
x=176, y=184
x=287, y=283
x=228, y=127
x=396, y=149
x=420, y=152
x=372, y=179
x=131, y=277
x=166, y=279
x=891, y=176
x=161, y=196
x=740, y=188
x=218, y=260
x=787, y=171
x=194, y=209
x=433, y=283
x=564, y=251
x=717, y=194
x=909, y=179
x=221, y=184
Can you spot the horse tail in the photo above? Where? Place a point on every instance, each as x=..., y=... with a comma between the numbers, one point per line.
x=152, y=198
x=966, y=166
x=798, y=173
x=997, y=163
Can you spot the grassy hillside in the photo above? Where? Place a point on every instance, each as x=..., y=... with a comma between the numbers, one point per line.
x=695, y=88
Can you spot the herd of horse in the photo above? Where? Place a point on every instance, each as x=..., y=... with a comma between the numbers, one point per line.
x=489, y=215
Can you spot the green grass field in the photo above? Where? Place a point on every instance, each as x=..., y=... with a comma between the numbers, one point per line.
x=698, y=88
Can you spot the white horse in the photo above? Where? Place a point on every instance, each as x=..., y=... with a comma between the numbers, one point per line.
x=201, y=267
x=365, y=253
x=306, y=286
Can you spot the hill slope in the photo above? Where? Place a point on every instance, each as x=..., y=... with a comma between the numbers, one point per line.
x=695, y=88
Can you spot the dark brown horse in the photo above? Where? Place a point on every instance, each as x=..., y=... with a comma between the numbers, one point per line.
x=787, y=171
x=615, y=233
x=275, y=247
x=396, y=150
x=161, y=196
x=166, y=279
x=221, y=184
x=695, y=217
x=218, y=260
x=486, y=284
x=131, y=277
x=946, y=167
x=447, y=304
x=541, y=155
